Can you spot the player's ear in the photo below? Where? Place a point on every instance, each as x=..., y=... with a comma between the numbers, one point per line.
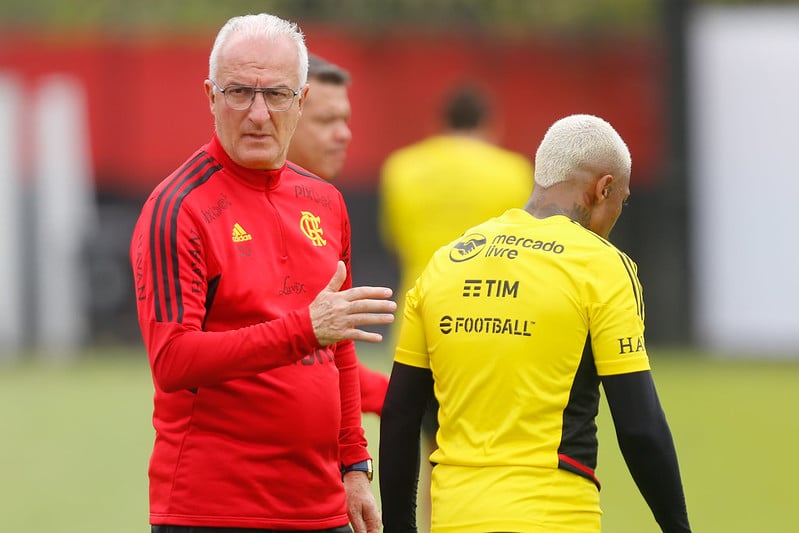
x=602, y=188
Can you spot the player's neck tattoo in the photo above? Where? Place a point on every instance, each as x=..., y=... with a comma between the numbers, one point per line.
x=579, y=214
x=576, y=212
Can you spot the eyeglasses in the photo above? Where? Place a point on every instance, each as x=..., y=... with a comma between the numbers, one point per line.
x=241, y=97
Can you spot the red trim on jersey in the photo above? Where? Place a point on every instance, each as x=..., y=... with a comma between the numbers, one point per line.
x=578, y=468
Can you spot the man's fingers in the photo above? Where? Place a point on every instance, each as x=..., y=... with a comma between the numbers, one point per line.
x=358, y=526
x=336, y=314
x=365, y=336
x=359, y=307
x=338, y=277
x=356, y=293
x=357, y=521
x=370, y=318
x=363, y=293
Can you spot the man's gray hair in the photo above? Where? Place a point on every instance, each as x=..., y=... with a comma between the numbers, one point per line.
x=259, y=25
x=577, y=142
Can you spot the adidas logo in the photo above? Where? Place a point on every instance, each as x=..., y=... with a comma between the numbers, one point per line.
x=239, y=234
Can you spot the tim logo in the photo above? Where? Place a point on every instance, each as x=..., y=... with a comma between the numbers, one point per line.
x=309, y=224
x=468, y=247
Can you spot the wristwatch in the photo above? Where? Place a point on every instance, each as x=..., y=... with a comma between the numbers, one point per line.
x=361, y=466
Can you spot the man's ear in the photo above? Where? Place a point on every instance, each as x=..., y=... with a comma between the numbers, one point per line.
x=602, y=187
x=303, y=95
x=210, y=93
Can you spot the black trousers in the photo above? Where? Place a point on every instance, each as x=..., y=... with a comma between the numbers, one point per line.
x=194, y=529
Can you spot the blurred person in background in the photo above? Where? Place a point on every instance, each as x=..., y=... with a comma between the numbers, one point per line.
x=323, y=133
x=433, y=190
x=512, y=327
x=320, y=145
x=241, y=266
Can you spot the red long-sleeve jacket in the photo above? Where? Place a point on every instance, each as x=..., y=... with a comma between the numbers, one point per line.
x=253, y=419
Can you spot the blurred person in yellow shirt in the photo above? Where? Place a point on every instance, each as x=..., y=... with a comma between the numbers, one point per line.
x=433, y=190
x=320, y=146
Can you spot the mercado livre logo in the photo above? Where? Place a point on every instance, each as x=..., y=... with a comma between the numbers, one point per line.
x=467, y=247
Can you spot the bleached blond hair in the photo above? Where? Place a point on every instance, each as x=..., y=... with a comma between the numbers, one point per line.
x=577, y=142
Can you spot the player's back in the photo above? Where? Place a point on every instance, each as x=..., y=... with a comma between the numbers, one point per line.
x=506, y=310
x=504, y=317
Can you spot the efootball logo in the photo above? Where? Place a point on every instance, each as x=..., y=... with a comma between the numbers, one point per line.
x=467, y=248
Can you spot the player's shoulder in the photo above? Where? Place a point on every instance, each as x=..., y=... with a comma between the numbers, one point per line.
x=601, y=255
x=578, y=242
x=592, y=241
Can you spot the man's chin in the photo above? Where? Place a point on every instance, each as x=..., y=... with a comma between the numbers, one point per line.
x=329, y=172
x=260, y=160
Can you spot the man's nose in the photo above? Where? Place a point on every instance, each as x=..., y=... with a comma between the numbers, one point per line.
x=344, y=133
x=259, y=110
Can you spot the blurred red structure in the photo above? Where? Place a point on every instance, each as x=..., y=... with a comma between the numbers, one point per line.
x=148, y=110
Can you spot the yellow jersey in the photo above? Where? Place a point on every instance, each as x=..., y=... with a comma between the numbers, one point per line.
x=516, y=320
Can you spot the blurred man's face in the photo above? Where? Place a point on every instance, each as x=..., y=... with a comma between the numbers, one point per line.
x=256, y=137
x=323, y=133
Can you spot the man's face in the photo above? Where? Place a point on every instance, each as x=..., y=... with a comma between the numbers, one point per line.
x=323, y=134
x=257, y=137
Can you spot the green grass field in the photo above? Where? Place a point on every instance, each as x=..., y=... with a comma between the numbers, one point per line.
x=75, y=440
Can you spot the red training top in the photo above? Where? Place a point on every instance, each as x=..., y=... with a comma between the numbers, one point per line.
x=253, y=419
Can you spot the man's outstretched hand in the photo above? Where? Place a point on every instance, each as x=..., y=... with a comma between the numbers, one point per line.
x=336, y=315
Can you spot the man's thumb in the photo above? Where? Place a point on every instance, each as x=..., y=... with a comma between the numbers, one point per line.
x=338, y=278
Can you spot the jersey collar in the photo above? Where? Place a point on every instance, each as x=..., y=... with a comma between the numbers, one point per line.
x=259, y=179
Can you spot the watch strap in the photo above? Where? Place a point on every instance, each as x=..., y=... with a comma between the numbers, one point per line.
x=360, y=466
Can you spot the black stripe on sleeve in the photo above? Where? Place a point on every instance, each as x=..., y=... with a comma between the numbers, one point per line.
x=163, y=237
x=636, y=285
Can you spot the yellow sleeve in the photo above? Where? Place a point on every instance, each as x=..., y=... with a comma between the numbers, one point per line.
x=412, y=344
x=617, y=318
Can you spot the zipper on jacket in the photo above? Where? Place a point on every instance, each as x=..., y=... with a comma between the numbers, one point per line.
x=281, y=227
